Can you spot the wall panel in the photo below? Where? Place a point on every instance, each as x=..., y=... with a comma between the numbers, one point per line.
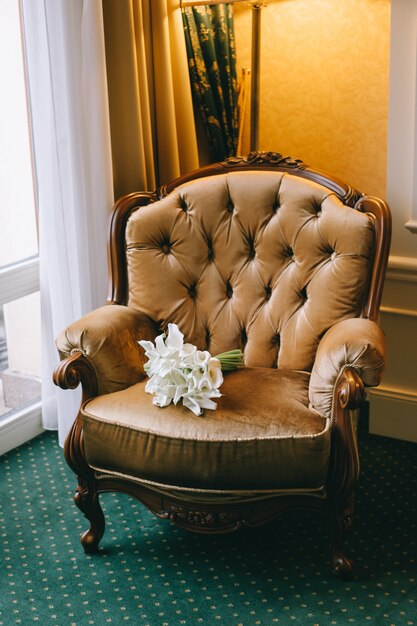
x=338, y=90
x=324, y=84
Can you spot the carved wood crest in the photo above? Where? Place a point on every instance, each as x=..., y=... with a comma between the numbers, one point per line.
x=266, y=158
x=200, y=519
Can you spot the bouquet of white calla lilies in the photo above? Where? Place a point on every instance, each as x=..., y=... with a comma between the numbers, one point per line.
x=178, y=371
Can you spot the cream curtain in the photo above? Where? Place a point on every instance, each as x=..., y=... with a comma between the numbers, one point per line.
x=151, y=112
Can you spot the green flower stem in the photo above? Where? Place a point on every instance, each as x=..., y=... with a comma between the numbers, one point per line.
x=230, y=360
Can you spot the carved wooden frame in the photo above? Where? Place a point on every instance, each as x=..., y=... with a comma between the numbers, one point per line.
x=204, y=516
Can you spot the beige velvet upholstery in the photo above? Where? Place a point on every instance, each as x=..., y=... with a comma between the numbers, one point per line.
x=108, y=337
x=258, y=260
x=264, y=261
x=261, y=254
x=357, y=343
x=244, y=444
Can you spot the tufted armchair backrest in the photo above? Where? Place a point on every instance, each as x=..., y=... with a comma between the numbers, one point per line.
x=262, y=260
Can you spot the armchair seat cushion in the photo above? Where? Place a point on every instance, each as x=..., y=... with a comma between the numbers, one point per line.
x=263, y=435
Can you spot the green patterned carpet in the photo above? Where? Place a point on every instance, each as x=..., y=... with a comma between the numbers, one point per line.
x=150, y=572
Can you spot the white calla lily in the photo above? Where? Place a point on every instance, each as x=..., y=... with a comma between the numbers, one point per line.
x=215, y=372
x=201, y=357
x=179, y=371
x=161, y=349
x=175, y=338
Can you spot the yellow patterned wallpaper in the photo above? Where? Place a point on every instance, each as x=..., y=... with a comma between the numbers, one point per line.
x=324, y=84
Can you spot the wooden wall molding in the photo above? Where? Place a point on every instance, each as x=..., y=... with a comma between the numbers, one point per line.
x=393, y=409
x=411, y=225
x=402, y=121
x=393, y=413
x=394, y=394
x=402, y=268
x=391, y=310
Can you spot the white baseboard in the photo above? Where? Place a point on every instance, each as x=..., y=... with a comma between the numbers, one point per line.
x=20, y=427
x=393, y=413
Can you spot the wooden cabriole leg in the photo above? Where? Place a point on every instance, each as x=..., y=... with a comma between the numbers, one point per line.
x=68, y=375
x=343, y=471
x=344, y=467
x=86, y=498
x=341, y=564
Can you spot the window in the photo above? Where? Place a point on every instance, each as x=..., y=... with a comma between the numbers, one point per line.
x=20, y=361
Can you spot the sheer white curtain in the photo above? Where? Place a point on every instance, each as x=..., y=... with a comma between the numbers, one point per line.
x=65, y=54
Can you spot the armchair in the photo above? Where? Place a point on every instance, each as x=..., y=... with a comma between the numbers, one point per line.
x=260, y=253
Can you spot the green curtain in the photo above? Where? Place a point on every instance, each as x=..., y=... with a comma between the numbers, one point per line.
x=210, y=42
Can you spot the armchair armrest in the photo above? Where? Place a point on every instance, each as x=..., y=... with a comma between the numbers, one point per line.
x=356, y=343
x=107, y=337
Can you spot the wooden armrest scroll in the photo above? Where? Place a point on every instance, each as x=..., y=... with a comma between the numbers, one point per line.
x=350, y=390
x=76, y=369
x=344, y=463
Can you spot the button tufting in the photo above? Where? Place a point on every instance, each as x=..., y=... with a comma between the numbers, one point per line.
x=229, y=289
x=209, y=250
x=166, y=248
x=230, y=207
x=275, y=206
x=333, y=255
x=268, y=292
x=207, y=338
x=192, y=291
x=303, y=294
x=244, y=337
x=184, y=205
x=251, y=251
x=275, y=339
